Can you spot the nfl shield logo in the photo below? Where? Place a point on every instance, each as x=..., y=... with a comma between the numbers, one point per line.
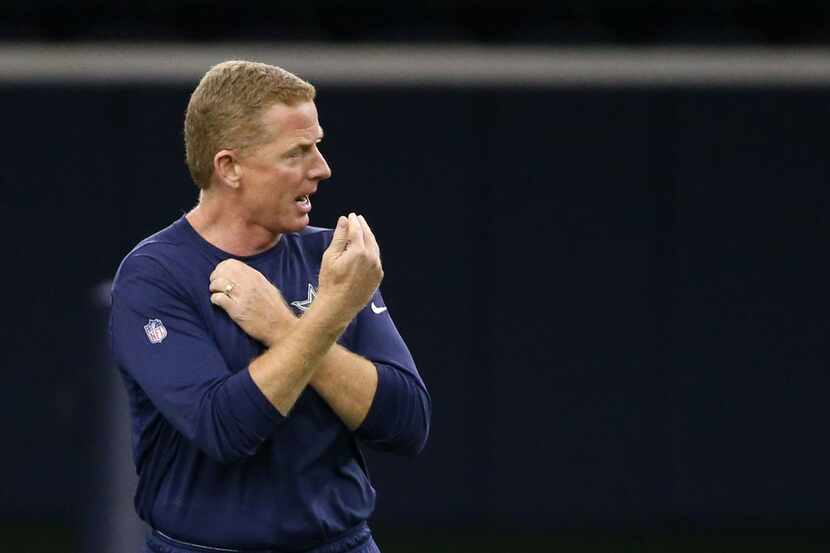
x=155, y=331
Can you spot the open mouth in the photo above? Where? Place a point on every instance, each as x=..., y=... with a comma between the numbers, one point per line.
x=303, y=200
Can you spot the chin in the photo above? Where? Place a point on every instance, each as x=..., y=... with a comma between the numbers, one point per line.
x=295, y=225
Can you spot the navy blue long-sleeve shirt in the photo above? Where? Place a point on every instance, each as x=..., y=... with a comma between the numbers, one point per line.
x=218, y=465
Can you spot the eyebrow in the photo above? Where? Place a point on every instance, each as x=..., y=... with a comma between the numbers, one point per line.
x=307, y=142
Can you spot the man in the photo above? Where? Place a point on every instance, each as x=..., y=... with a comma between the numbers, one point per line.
x=249, y=415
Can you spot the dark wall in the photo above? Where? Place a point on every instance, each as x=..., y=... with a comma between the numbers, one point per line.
x=714, y=22
x=615, y=296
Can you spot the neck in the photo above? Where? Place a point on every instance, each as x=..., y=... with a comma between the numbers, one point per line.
x=219, y=221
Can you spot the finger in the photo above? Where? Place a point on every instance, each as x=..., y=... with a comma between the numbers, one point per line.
x=220, y=270
x=340, y=238
x=364, y=227
x=221, y=299
x=355, y=231
x=369, y=236
x=226, y=267
x=220, y=284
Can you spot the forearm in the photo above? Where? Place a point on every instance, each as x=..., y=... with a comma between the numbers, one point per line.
x=347, y=382
x=287, y=366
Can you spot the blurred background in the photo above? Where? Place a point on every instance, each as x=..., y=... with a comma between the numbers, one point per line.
x=604, y=234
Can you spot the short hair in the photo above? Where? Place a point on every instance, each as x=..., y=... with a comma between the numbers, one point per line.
x=226, y=108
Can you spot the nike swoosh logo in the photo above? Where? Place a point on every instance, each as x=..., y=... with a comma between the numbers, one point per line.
x=377, y=310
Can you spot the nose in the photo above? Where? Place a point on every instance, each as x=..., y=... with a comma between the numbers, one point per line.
x=320, y=170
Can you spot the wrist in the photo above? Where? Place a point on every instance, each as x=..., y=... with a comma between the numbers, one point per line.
x=279, y=330
x=330, y=312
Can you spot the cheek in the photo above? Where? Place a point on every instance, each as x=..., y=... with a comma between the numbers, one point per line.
x=286, y=179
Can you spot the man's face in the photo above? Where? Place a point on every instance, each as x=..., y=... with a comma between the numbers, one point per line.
x=279, y=177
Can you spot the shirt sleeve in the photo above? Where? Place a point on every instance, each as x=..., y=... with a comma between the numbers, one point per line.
x=159, y=339
x=399, y=417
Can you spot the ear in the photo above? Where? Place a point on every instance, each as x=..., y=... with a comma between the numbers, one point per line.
x=226, y=167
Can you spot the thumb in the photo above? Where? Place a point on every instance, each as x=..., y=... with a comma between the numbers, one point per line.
x=341, y=236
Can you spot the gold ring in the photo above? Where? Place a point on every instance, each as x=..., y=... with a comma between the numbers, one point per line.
x=229, y=288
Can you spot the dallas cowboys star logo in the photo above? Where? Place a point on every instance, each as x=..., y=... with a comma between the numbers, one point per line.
x=303, y=305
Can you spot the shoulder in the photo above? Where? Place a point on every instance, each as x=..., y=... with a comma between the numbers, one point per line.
x=313, y=240
x=315, y=233
x=152, y=260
